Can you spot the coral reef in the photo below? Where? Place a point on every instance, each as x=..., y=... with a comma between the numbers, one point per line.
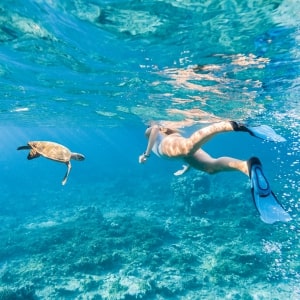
x=190, y=244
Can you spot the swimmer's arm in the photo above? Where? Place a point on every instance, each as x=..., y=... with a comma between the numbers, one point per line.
x=152, y=138
x=183, y=170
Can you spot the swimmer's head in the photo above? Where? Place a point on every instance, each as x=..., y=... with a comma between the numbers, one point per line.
x=162, y=129
x=168, y=131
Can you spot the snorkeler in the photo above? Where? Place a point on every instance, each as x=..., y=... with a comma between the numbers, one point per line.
x=169, y=143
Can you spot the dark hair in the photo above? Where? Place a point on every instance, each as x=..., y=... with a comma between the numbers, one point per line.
x=168, y=131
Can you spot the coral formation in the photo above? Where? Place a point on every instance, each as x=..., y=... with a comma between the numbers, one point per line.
x=192, y=244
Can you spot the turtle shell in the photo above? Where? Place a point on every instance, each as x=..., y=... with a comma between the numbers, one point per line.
x=50, y=150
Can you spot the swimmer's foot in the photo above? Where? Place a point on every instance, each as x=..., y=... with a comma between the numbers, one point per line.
x=263, y=132
x=269, y=208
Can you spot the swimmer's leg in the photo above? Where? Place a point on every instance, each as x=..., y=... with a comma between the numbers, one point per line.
x=201, y=160
x=200, y=137
x=178, y=146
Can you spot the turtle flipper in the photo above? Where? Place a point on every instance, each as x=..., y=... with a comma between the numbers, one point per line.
x=24, y=147
x=67, y=173
x=33, y=154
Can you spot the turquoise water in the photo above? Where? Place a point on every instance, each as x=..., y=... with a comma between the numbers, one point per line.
x=91, y=75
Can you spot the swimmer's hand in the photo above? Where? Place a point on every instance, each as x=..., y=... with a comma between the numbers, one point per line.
x=143, y=158
x=183, y=170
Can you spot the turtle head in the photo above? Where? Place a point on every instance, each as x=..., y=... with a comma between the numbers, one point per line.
x=77, y=156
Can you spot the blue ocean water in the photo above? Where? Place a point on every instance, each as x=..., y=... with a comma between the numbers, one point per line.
x=91, y=75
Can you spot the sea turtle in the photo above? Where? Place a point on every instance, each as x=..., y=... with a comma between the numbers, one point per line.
x=52, y=151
